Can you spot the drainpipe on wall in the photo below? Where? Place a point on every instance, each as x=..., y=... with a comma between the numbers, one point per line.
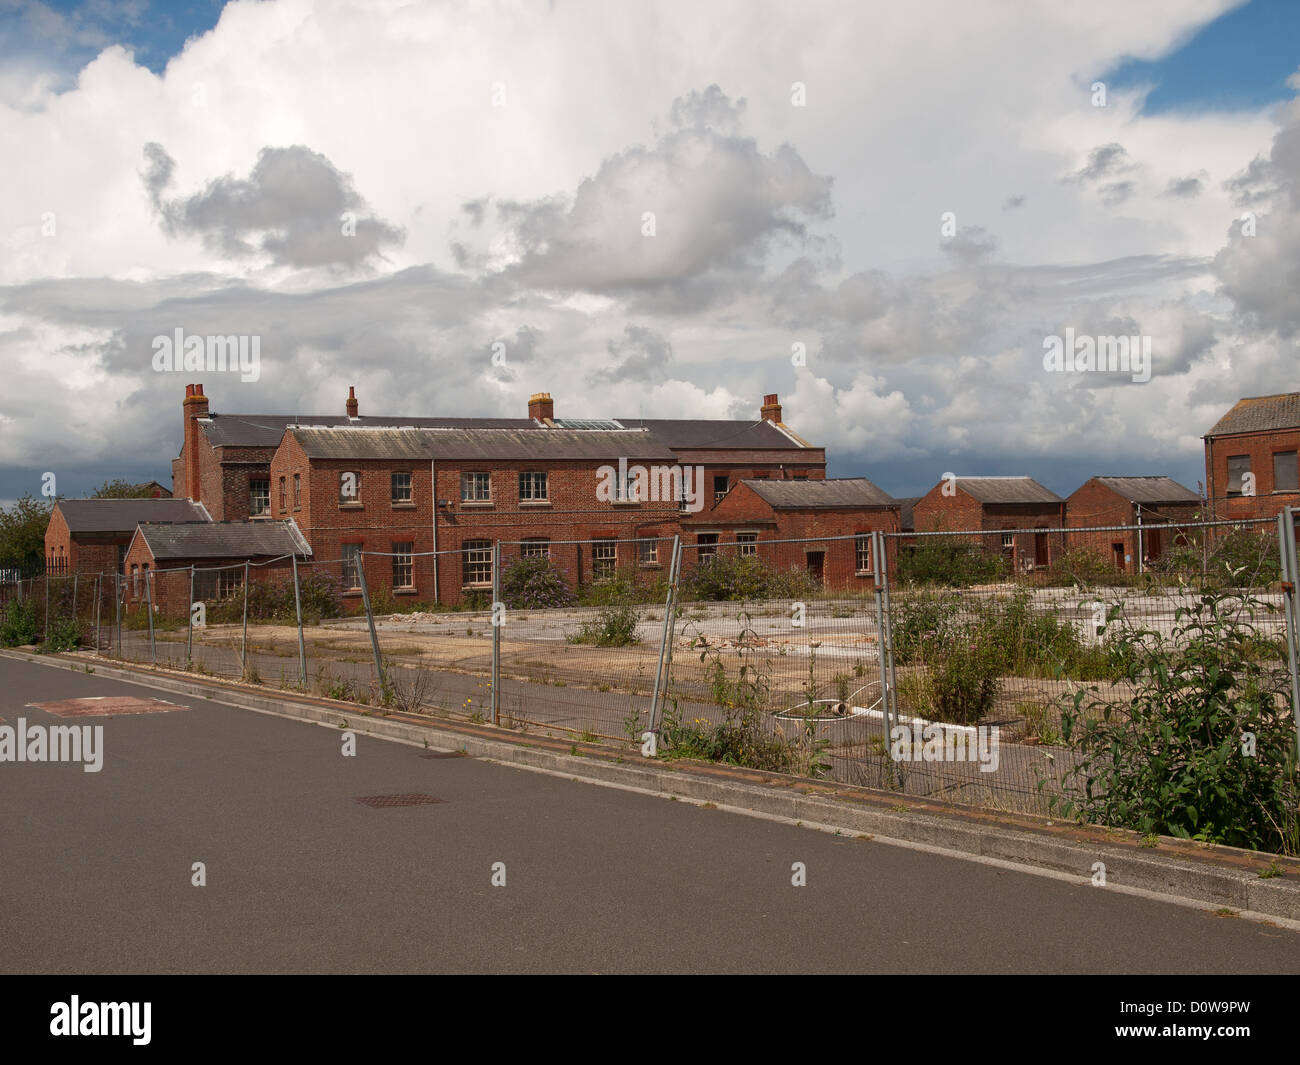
x=1138, y=506
x=433, y=475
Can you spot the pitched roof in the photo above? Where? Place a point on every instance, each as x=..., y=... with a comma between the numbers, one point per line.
x=1150, y=489
x=224, y=539
x=1007, y=490
x=1254, y=414
x=906, y=512
x=494, y=444
x=265, y=430
x=123, y=515
x=833, y=492
x=708, y=433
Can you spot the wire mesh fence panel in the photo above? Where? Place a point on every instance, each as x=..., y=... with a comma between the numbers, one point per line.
x=997, y=666
x=581, y=633
x=775, y=656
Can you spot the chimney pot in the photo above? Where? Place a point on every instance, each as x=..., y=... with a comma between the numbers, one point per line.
x=771, y=409
x=352, y=401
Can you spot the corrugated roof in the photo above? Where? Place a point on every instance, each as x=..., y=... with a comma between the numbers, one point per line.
x=123, y=515
x=1254, y=414
x=833, y=492
x=704, y=432
x=487, y=444
x=1150, y=489
x=1007, y=490
x=265, y=430
x=224, y=539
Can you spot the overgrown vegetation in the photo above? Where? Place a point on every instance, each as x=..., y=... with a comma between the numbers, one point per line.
x=952, y=562
x=18, y=623
x=615, y=626
x=272, y=601
x=534, y=583
x=738, y=578
x=1203, y=748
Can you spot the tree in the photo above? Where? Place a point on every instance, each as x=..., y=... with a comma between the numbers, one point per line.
x=22, y=531
x=120, y=489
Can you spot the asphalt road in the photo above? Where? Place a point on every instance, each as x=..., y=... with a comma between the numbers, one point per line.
x=95, y=871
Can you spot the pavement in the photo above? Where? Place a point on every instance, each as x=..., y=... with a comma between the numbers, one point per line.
x=303, y=877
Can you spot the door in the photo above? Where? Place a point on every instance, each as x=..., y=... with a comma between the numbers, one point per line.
x=1040, y=550
x=1117, y=554
x=817, y=565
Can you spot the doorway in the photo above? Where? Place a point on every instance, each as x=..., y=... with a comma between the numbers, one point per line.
x=817, y=565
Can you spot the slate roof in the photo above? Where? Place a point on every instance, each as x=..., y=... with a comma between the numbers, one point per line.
x=708, y=433
x=479, y=443
x=224, y=539
x=1254, y=414
x=265, y=430
x=813, y=495
x=123, y=515
x=1150, y=489
x=1007, y=490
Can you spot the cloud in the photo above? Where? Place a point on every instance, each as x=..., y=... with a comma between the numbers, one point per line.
x=1104, y=161
x=1187, y=188
x=294, y=207
x=640, y=354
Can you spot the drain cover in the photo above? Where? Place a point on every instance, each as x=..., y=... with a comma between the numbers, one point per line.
x=382, y=801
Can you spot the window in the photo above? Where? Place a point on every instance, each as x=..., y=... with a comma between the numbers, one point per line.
x=535, y=548
x=351, y=565
x=719, y=488
x=121, y=548
x=403, y=576
x=708, y=545
x=748, y=543
x=1008, y=541
x=532, y=487
x=625, y=488
x=1238, y=468
x=476, y=487
x=297, y=491
x=349, y=488
x=1286, y=473
x=282, y=502
x=259, y=497
x=476, y=561
x=648, y=552
x=862, y=552
x=216, y=584
x=401, y=488
x=603, y=559
x=135, y=580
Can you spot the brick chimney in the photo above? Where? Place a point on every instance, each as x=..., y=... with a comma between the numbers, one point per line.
x=195, y=406
x=541, y=406
x=352, y=401
x=771, y=409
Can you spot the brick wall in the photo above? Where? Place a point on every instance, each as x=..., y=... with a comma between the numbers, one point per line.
x=1095, y=504
x=960, y=511
x=1267, y=502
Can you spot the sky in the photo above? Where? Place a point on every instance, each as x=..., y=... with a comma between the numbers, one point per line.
x=884, y=213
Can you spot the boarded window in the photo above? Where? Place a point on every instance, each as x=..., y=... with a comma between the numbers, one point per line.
x=1238, y=468
x=1286, y=473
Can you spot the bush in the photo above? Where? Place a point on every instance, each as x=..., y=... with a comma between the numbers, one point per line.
x=1083, y=566
x=1246, y=558
x=533, y=583
x=320, y=594
x=953, y=562
x=1175, y=758
x=730, y=578
x=64, y=634
x=18, y=623
x=615, y=626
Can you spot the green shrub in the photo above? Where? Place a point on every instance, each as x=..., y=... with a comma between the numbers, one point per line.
x=1245, y=558
x=1081, y=566
x=18, y=623
x=732, y=578
x=615, y=626
x=964, y=676
x=1173, y=757
x=64, y=634
x=951, y=561
x=532, y=583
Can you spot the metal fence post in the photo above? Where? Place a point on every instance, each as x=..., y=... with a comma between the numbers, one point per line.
x=891, y=715
x=117, y=607
x=97, y=605
x=297, y=609
x=75, y=575
x=496, y=632
x=370, y=617
x=243, y=643
x=661, y=682
x=1290, y=580
x=148, y=594
x=189, y=623
x=45, y=632
x=878, y=583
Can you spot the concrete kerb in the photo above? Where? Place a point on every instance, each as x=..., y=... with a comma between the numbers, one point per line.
x=1224, y=877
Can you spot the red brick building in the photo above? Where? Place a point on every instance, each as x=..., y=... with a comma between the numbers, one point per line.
x=216, y=550
x=756, y=511
x=998, y=503
x=92, y=535
x=1158, y=505
x=1251, y=468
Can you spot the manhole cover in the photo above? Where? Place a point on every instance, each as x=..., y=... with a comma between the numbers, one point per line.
x=445, y=754
x=382, y=801
x=106, y=706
